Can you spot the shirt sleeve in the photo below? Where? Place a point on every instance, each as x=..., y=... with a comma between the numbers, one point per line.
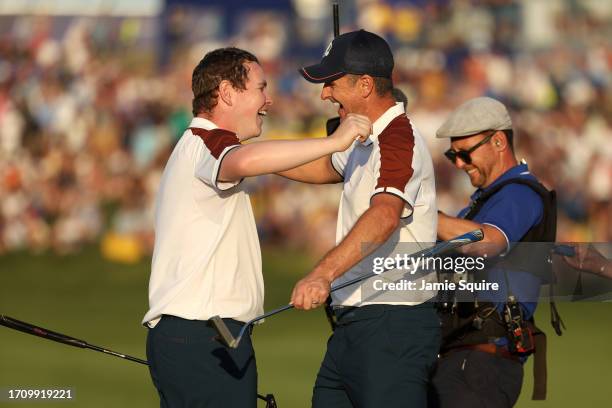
x=514, y=210
x=339, y=160
x=398, y=170
x=217, y=143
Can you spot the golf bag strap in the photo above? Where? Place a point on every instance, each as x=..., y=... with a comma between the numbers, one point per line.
x=544, y=232
x=555, y=319
x=539, y=366
x=546, y=195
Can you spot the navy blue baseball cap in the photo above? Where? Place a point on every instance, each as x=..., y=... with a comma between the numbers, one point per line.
x=358, y=52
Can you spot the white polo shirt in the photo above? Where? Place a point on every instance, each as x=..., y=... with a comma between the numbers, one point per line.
x=207, y=259
x=394, y=160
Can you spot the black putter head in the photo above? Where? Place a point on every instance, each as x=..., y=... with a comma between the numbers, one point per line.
x=225, y=336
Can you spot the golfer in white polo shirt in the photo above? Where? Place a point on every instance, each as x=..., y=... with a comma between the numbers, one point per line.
x=384, y=347
x=206, y=259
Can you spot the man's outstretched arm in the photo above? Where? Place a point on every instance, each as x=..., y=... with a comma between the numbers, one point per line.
x=374, y=227
x=320, y=171
x=280, y=155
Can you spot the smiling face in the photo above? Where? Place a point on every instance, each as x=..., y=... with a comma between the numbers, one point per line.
x=251, y=104
x=343, y=91
x=482, y=170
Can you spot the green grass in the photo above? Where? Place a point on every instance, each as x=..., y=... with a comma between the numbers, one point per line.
x=102, y=303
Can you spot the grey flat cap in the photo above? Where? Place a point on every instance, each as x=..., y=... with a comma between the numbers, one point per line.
x=475, y=116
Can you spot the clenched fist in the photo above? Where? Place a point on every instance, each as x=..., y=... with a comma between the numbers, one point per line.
x=353, y=127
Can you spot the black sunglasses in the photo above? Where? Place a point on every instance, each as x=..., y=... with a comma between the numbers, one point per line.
x=464, y=155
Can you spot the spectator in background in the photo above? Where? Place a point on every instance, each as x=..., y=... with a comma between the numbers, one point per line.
x=67, y=85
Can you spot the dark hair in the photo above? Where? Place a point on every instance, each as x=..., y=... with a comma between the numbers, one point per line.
x=400, y=96
x=216, y=66
x=382, y=85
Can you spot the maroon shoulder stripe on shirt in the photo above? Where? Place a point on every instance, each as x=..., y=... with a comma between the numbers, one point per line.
x=216, y=140
x=396, y=145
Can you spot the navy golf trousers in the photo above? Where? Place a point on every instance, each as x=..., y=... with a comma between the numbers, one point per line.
x=191, y=369
x=379, y=356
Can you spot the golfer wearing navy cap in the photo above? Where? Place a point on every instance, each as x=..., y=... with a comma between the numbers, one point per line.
x=381, y=353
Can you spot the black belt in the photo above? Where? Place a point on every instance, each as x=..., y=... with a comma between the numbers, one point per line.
x=207, y=322
x=347, y=314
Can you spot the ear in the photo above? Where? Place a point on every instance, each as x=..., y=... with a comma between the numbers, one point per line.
x=499, y=141
x=366, y=85
x=226, y=92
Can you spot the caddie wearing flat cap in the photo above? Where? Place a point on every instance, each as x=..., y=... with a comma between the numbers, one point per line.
x=481, y=358
x=382, y=351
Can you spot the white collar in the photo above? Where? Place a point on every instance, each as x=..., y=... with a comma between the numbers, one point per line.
x=202, y=124
x=383, y=121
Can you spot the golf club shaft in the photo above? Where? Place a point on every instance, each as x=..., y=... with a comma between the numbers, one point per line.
x=332, y=123
x=442, y=247
x=71, y=341
x=60, y=338
x=116, y=354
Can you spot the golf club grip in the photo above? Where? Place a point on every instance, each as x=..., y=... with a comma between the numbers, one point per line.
x=40, y=332
x=336, y=17
x=61, y=338
x=332, y=125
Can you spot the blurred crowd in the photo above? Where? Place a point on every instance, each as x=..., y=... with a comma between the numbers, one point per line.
x=88, y=115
